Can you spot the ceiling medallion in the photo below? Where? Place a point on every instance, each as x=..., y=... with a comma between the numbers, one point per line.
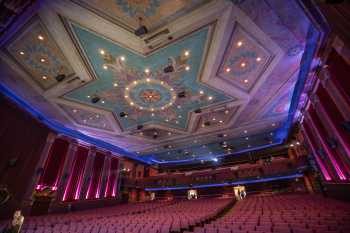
x=150, y=94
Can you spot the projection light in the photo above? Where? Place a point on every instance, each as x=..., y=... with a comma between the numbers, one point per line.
x=198, y=110
x=60, y=77
x=95, y=99
x=207, y=123
x=123, y=114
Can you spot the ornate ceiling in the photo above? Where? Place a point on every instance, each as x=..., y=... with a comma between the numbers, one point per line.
x=210, y=78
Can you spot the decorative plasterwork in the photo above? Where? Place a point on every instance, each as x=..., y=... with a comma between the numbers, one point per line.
x=36, y=51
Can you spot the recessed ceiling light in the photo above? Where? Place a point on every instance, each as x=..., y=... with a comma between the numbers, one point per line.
x=180, y=116
x=132, y=103
x=258, y=59
x=74, y=110
x=210, y=97
x=22, y=53
x=221, y=121
x=152, y=114
x=169, y=133
x=167, y=120
x=247, y=138
x=125, y=96
x=42, y=60
x=245, y=131
x=171, y=89
x=40, y=37
x=115, y=84
x=105, y=67
x=127, y=88
x=162, y=108
x=178, y=106
x=102, y=52
x=201, y=92
x=135, y=82
x=187, y=68
x=245, y=80
x=102, y=101
x=141, y=108
x=148, y=80
x=44, y=77
x=162, y=82
x=243, y=64
x=228, y=69
x=227, y=111
x=88, y=96
x=239, y=43
x=147, y=71
x=152, y=109
x=187, y=53
x=122, y=58
x=214, y=119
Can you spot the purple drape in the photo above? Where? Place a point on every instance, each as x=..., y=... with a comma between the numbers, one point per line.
x=54, y=165
x=72, y=190
x=93, y=191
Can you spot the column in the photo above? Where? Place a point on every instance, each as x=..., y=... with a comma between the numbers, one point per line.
x=321, y=134
x=322, y=167
x=106, y=173
x=319, y=105
x=40, y=165
x=339, y=98
x=88, y=172
x=67, y=169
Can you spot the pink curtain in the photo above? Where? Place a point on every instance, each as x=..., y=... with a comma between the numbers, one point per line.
x=93, y=191
x=323, y=164
x=333, y=112
x=322, y=134
x=340, y=73
x=112, y=180
x=72, y=190
x=54, y=165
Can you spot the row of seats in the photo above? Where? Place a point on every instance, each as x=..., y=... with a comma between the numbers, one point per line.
x=292, y=213
x=153, y=217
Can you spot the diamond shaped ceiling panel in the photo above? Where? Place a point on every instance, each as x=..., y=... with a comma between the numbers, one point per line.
x=244, y=60
x=87, y=118
x=39, y=55
x=138, y=89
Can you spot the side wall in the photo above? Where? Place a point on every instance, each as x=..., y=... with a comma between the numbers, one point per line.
x=22, y=139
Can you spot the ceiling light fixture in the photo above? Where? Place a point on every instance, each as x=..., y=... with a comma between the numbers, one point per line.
x=40, y=37
x=228, y=69
x=141, y=30
x=239, y=43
